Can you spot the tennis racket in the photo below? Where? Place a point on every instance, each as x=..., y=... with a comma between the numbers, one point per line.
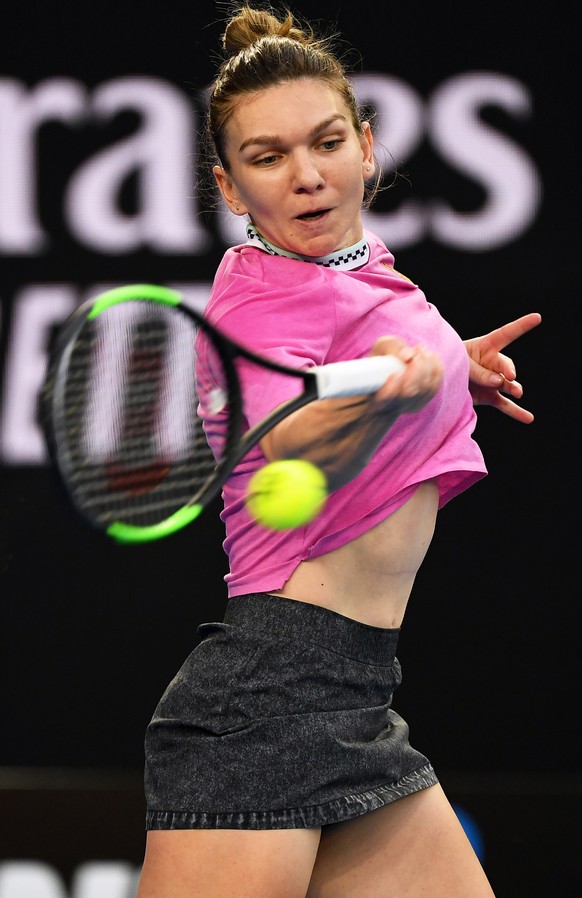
x=120, y=401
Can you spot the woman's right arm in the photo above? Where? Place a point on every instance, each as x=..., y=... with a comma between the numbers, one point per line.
x=340, y=435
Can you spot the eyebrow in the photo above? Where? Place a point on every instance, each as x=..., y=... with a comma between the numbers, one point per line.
x=273, y=139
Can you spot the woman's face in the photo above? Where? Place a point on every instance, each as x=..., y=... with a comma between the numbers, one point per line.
x=297, y=167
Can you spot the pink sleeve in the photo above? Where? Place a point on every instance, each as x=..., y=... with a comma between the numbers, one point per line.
x=280, y=309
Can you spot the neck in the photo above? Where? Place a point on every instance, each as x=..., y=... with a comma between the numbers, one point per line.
x=345, y=259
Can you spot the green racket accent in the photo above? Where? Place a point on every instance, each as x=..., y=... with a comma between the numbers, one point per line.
x=152, y=292
x=127, y=533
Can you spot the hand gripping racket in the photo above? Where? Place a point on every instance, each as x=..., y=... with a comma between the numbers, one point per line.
x=119, y=409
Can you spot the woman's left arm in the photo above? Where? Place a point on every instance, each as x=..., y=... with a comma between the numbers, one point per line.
x=492, y=374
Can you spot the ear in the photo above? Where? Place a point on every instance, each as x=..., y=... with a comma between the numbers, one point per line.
x=367, y=144
x=228, y=191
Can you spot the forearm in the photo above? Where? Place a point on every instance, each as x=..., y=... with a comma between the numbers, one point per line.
x=338, y=436
x=341, y=435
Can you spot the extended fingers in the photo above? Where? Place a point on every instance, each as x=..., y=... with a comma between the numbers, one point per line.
x=508, y=333
x=509, y=408
x=513, y=387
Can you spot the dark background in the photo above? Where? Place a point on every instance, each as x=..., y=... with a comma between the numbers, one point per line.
x=90, y=632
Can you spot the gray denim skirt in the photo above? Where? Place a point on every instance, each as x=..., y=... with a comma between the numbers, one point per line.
x=280, y=718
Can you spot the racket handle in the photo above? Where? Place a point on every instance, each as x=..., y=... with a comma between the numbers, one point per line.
x=355, y=376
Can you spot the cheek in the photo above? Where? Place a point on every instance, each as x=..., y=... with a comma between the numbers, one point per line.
x=263, y=199
x=351, y=175
x=357, y=185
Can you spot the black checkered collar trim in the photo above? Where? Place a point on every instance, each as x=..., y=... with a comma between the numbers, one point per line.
x=342, y=259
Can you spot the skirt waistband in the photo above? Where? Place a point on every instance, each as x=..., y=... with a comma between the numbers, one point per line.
x=288, y=618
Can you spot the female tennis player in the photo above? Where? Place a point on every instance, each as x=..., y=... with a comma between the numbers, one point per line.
x=276, y=764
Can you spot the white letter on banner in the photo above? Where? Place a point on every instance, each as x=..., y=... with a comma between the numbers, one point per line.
x=22, y=112
x=160, y=153
x=105, y=879
x=508, y=176
x=37, y=309
x=398, y=130
x=30, y=879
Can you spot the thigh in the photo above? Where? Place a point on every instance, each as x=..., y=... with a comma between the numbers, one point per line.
x=223, y=862
x=414, y=847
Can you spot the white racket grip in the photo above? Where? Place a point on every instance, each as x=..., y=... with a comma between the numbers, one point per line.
x=355, y=376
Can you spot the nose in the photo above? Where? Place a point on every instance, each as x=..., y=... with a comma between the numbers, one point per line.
x=307, y=176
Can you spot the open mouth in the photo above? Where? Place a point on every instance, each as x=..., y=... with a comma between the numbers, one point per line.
x=311, y=216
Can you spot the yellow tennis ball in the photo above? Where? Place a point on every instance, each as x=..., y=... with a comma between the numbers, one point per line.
x=286, y=494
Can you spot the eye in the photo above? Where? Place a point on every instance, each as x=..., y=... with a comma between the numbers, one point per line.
x=330, y=144
x=266, y=160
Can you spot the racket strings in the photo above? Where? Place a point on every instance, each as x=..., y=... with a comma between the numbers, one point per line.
x=134, y=447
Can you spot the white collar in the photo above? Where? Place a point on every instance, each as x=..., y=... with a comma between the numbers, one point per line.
x=342, y=259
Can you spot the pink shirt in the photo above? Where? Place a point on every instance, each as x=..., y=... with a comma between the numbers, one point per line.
x=303, y=314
